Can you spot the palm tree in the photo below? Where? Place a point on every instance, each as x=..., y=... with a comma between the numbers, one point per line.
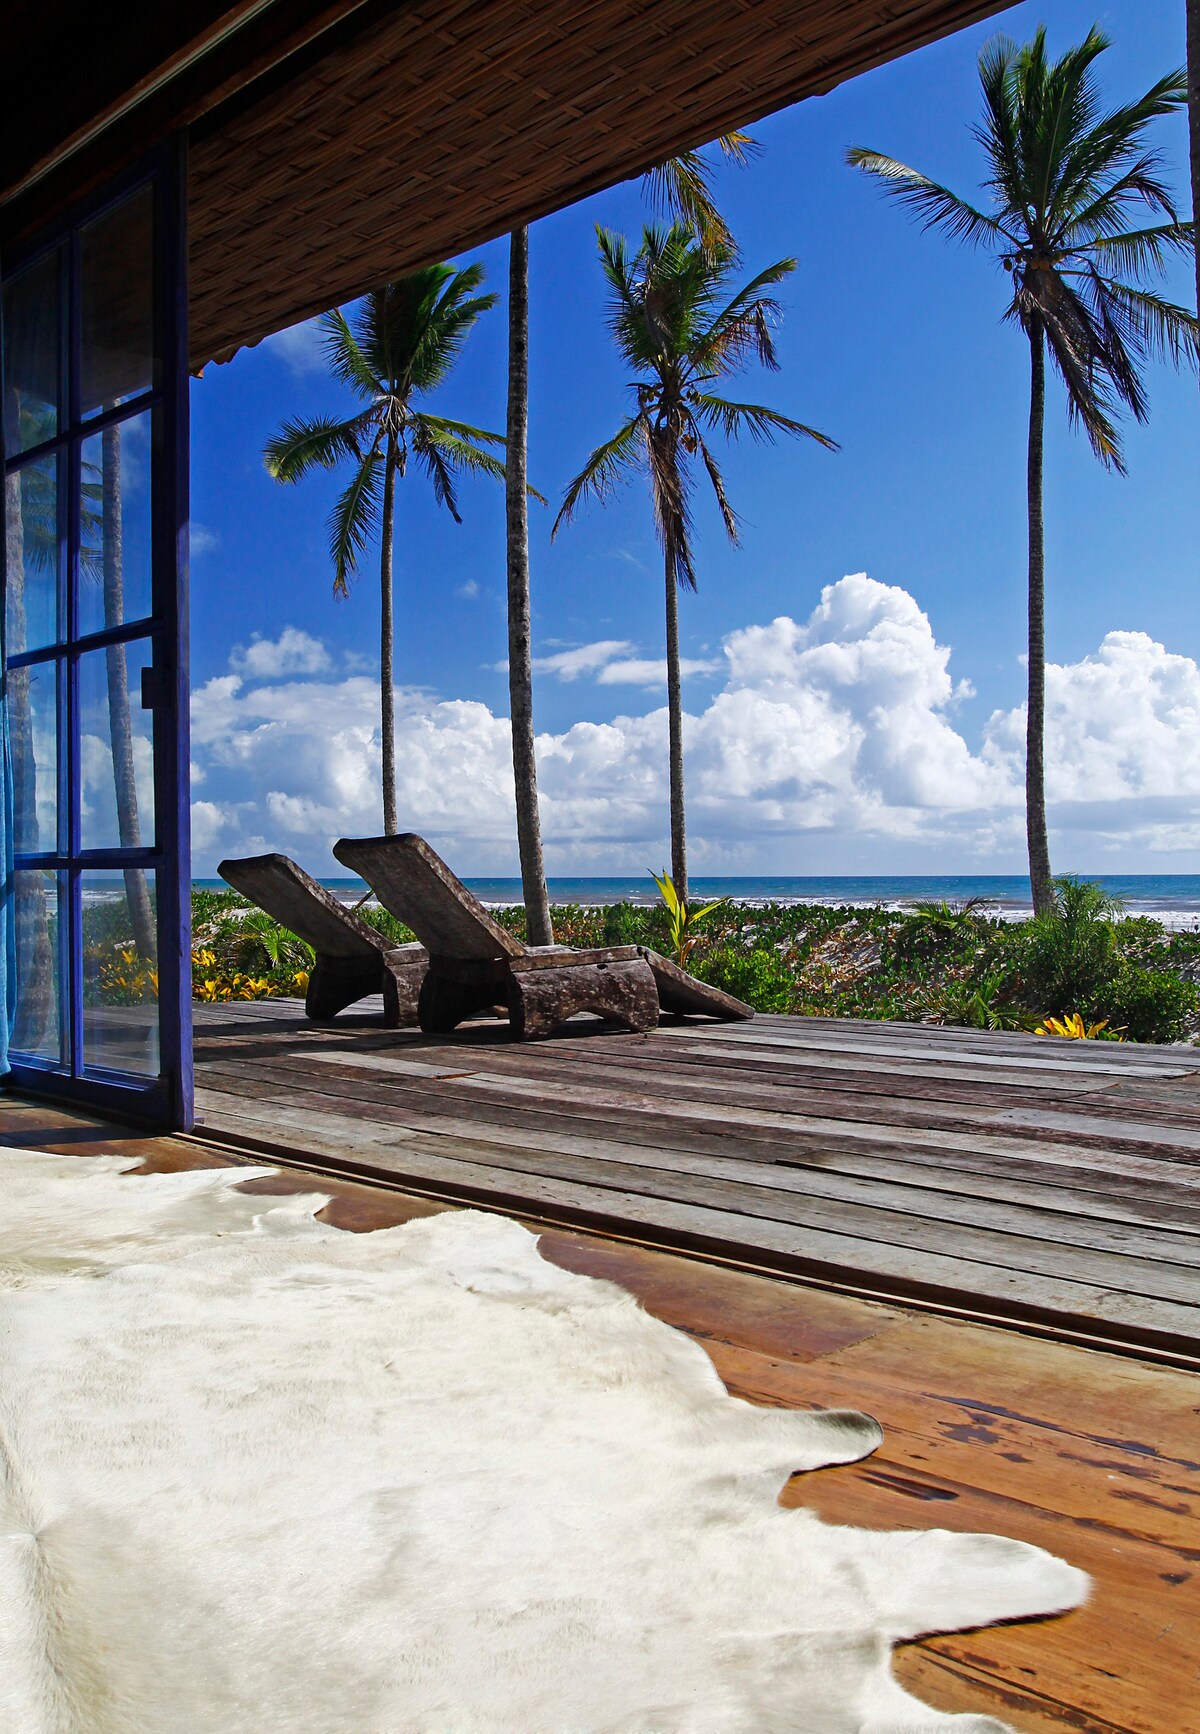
x=682, y=187
x=1065, y=183
x=681, y=326
x=405, y=339
x=1193, y=72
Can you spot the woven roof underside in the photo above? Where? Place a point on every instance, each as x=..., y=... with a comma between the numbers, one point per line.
x=452, y=121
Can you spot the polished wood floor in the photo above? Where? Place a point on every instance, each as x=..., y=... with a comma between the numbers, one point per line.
x=1022, y=1178
x=1092, y=1455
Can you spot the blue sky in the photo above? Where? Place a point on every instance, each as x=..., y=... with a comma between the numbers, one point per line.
x=892, y=343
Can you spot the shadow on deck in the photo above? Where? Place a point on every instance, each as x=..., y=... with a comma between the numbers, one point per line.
x=1021, y=1179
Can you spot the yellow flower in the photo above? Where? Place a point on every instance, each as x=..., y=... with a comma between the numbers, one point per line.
x=1073, y=1026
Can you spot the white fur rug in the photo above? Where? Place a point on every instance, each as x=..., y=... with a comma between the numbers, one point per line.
x=259, y=1476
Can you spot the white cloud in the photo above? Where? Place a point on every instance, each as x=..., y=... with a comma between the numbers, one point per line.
x=299, y=347
x=645, y=671
x=469, y=591
x=1123, y=744
x=830, y=745
x=201, y=540
x=293, y=652
x=611, y=662
x=582, y=659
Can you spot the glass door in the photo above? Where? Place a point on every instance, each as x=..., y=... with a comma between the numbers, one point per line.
x=95, y=448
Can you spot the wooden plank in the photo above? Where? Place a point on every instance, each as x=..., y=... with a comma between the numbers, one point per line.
x=1108, y=1196
x=848, y=1105
x=472, y=1094
x=949, y=1053
x=823, y=1234
x=1176, y=1247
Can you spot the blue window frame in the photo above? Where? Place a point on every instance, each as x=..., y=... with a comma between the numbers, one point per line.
x=94, y=371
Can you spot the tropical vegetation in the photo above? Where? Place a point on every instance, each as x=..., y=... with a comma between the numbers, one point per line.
x=402, y=344
x=1066, y=182
x=1083, y=962
x=681, y=325
x=682, y=188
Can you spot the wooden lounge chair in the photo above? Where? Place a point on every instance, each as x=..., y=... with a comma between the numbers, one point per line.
x=474, y=963
x=352, y=961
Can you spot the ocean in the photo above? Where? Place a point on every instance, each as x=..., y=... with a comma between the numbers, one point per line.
x=1172, y=898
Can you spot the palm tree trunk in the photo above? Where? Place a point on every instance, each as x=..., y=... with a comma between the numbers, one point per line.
x=1040, y=878
x=1193, y=70
x=538, y=929
x=675, y=714
x=120, y=724
x=387, y=644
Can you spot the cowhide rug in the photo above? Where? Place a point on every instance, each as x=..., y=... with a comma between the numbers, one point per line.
x=259, y=1475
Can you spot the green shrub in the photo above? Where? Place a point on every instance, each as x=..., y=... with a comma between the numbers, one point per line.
x=1065, y=958
x=1150, y=1005
x=758, y=977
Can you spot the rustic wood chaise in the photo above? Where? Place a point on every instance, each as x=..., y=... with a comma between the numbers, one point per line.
x=353, y=960
x=474, y=963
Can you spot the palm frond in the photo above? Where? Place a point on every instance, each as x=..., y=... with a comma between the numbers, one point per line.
x=670, y=495
x=608, y=465
x=935, y=205
x=762, y=424
x=1140, y=252
x=728, y=516
x=445, y=452
x=301, y=446
x=343, y=356
x=1164, y=329
x=354, y=518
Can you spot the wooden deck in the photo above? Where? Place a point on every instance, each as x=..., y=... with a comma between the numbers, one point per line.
x=1053, y=1184
x=1087, y=1454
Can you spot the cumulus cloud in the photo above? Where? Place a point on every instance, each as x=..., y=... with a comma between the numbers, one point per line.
x=469, y=591
x=831, y=743
x=1123, y=733
x=299, y=347
x=293, y=652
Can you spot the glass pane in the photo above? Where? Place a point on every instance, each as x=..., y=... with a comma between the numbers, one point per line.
x=32, y=354
x=116, y=749
x=117, y=261
x=120, y=971
x=31, y=548
x=33, y=741
x=114, y=517
x=37, y=1025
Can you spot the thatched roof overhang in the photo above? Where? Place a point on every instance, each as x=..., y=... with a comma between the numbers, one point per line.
x=335, y=143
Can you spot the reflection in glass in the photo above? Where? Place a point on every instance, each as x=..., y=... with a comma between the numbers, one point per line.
x=31, y=555
x=117, y=261
x=114, y=565
x=37, y=1024
x=31, y=355
x=120, y=976
x=117, y=755
x=33, y=746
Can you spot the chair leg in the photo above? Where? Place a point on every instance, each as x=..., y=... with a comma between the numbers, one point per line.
x=622, y=993
x=401, y=992
x=337, y=982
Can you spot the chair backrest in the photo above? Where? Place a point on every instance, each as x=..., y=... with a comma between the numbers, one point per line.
x=413, y=882
x=290, y=896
